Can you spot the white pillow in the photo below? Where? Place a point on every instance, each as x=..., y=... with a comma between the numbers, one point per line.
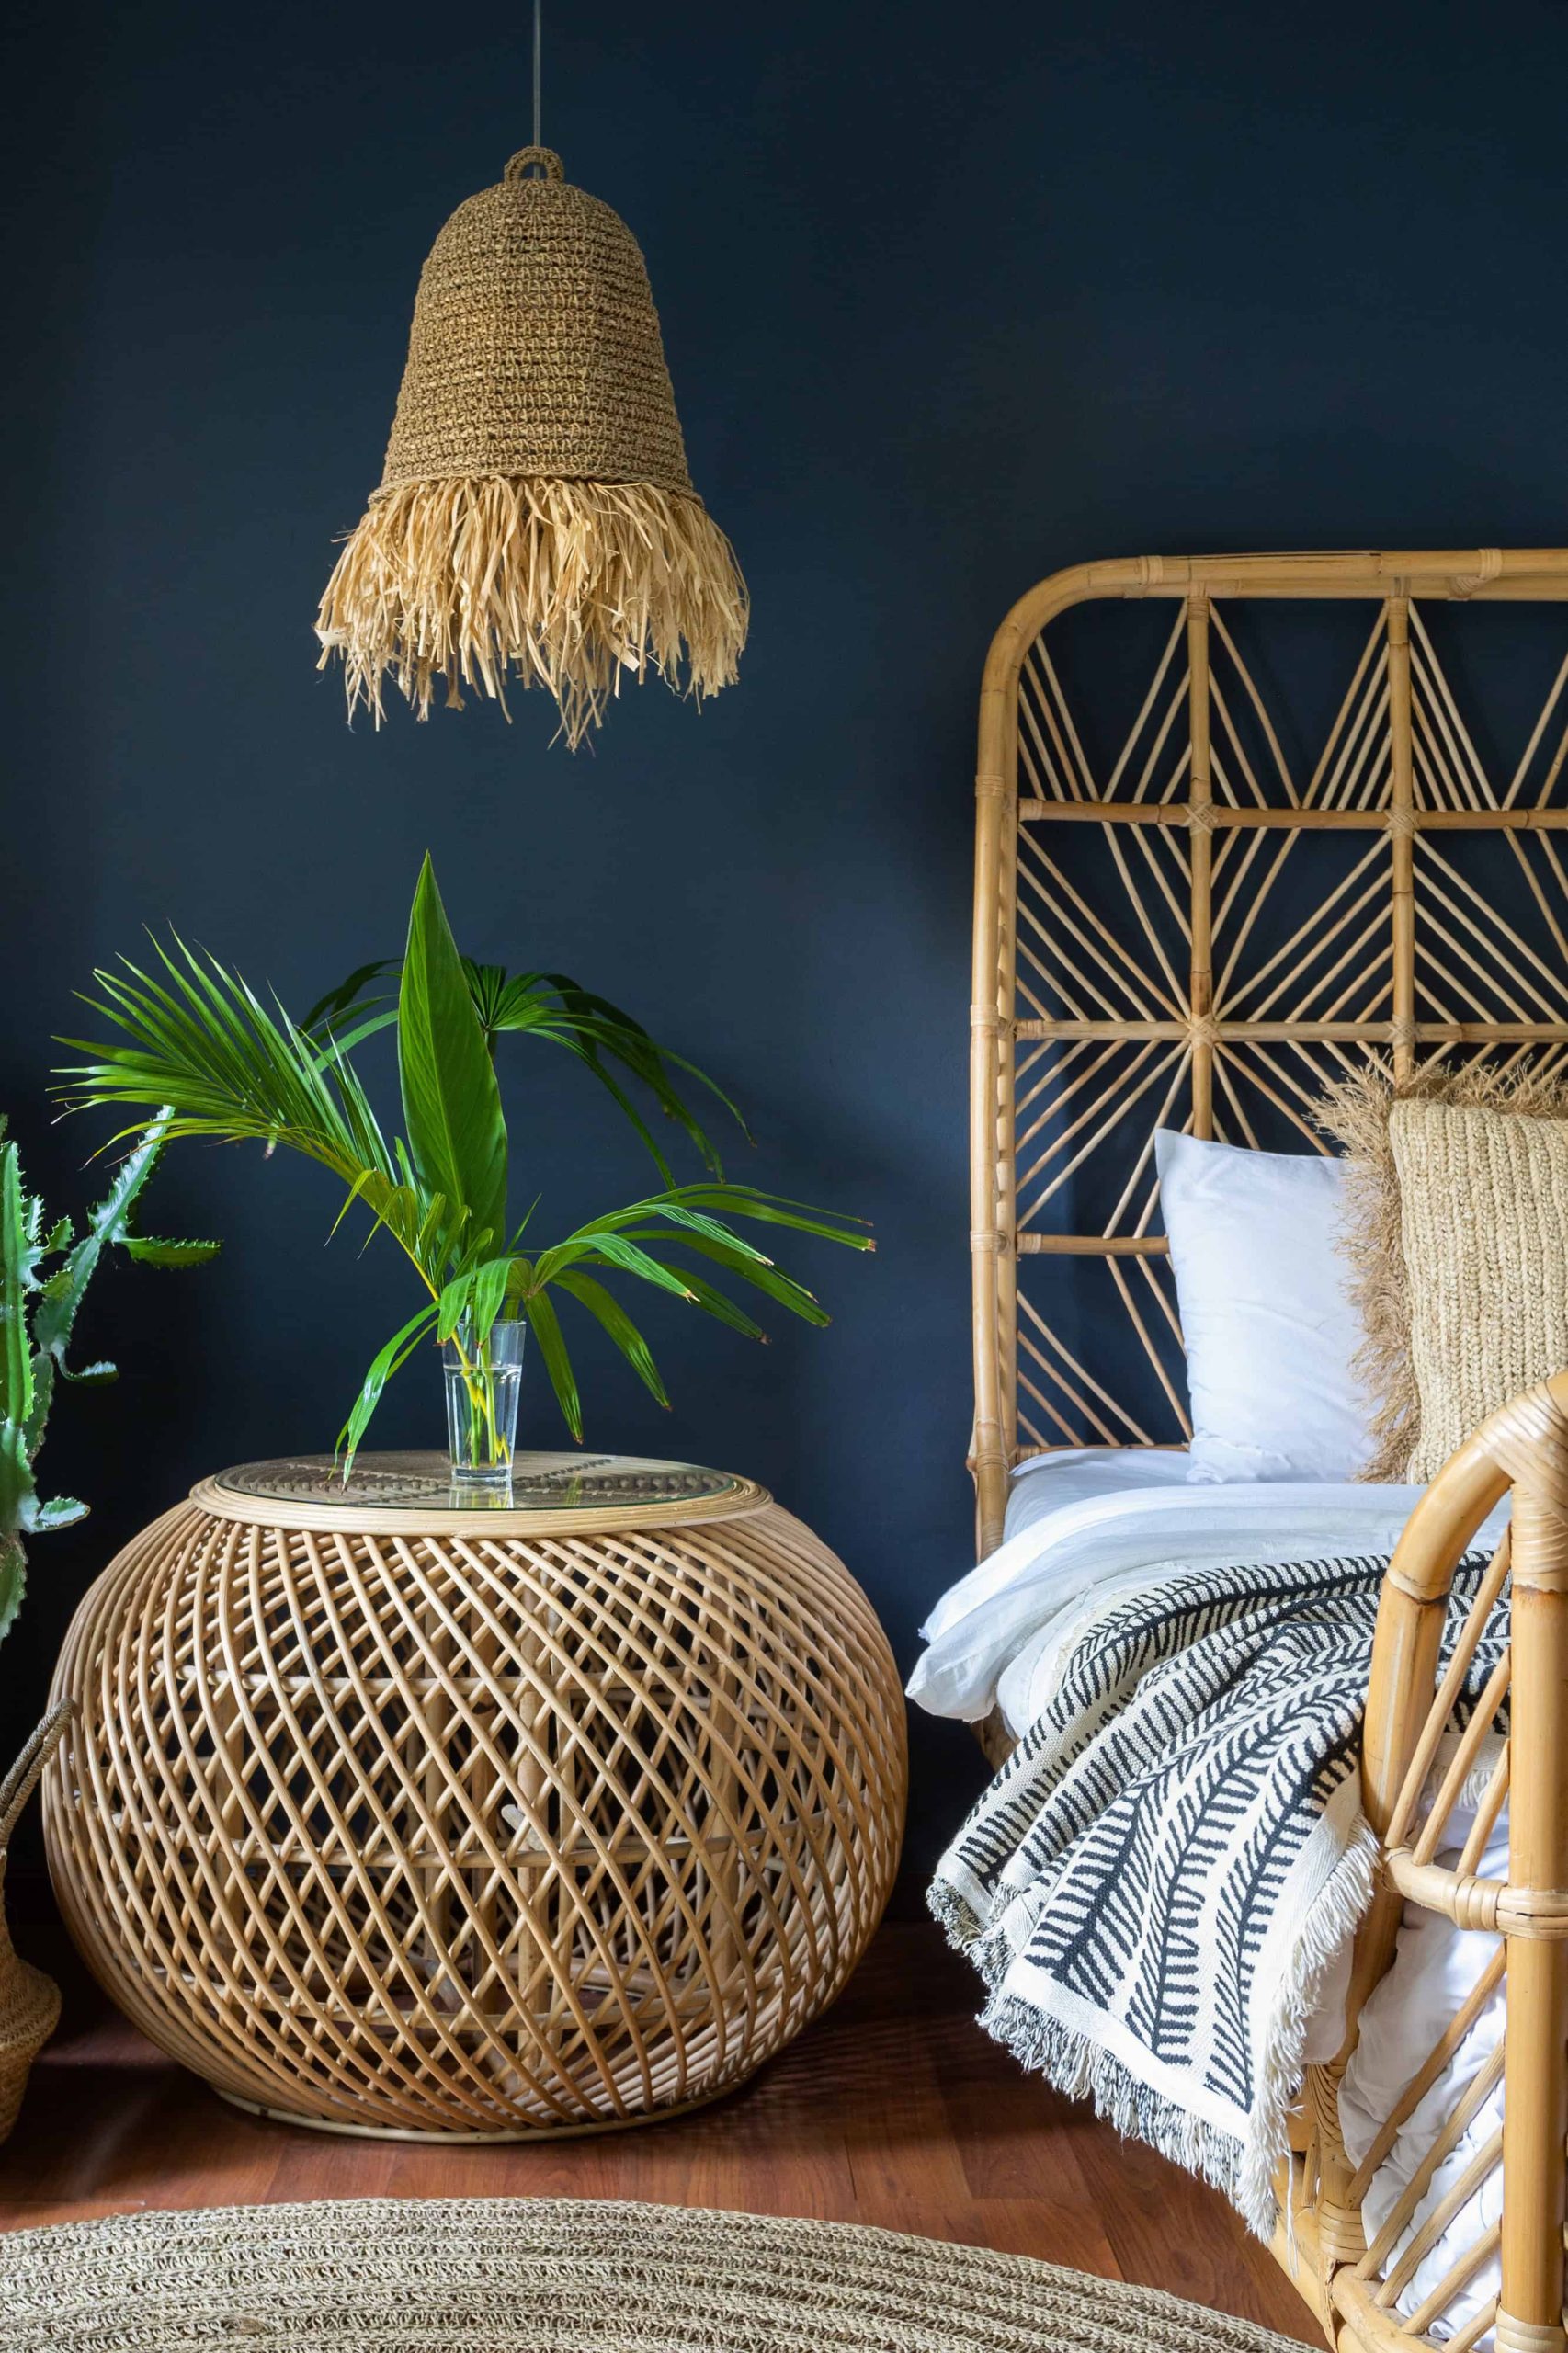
x=1264, y=1298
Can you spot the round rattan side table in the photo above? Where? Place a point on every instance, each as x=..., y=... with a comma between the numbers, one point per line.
x=388, y=1816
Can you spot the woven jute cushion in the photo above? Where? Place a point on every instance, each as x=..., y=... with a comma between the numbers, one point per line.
x=1483, y=1220
x=439, y=2275
x=1385, y=1279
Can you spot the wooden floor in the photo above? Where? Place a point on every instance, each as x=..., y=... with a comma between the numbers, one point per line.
x=894, y=2109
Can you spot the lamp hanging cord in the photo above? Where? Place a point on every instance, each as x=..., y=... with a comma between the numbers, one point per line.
x=539, y=14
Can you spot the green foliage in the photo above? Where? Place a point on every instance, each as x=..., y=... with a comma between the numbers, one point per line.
x=549, y=1006
x=38, y=1312
x=452, y=1103
x=194, y=1039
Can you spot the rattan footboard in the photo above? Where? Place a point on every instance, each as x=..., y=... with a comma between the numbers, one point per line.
x=1152, y=992
x=1351, y=2283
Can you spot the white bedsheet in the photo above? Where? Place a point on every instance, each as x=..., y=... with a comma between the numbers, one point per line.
x=1087, y=1528
x=1435, y=1967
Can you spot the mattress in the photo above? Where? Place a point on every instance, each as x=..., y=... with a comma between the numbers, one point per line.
x=1088, y=1528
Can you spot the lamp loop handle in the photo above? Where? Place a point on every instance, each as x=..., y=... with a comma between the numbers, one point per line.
x=535, y=163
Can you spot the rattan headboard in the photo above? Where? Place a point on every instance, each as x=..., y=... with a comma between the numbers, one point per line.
x=1181, y=921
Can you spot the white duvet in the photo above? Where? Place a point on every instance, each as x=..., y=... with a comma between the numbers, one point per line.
x=1084, y=1529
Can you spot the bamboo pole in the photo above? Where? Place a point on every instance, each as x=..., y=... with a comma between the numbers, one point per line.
x=1005, y=989
x=1174, y=814
x=1535, y=2092
x=1402, y=840
x=996, y=799
x=1201, y=851
x=1473, y=1033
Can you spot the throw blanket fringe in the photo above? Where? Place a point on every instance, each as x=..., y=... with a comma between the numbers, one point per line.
x=1155, y=1885
x=1074, y=2064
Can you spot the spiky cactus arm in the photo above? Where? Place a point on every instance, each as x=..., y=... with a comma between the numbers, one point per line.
x=38, y=1312
x=12, y=1579
x=111, y=1222
x=19, y=1255
x=27, y=1377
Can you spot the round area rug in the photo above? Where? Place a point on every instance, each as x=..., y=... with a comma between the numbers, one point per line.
x=554, y=2275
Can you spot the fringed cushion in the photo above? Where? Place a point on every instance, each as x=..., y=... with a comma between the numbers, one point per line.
x=1484, y=1215
x=1393, y=1276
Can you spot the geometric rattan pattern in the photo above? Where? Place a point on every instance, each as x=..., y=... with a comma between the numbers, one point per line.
x=469, y=1833
x=1191, y=918
x=1484, y=2209
x=1179, y=921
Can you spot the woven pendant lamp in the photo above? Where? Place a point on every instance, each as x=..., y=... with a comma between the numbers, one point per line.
x=535, y=519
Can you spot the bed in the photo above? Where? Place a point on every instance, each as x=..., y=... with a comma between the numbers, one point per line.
x=1181, y=921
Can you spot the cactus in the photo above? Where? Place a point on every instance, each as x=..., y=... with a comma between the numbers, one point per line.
x=38, y=1311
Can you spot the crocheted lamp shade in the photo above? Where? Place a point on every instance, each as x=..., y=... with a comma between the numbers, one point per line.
x=535, y=519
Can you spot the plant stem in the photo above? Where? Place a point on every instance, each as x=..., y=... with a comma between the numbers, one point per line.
x=479, y=1380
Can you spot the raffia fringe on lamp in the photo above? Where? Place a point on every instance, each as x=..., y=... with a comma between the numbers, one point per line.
x=535, y=519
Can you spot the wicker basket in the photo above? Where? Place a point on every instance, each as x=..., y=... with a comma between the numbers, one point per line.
x=29, y=2002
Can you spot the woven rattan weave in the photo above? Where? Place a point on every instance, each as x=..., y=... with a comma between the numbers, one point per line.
x=397, y=1818
x=1145, y=978
x=29, y=2002
x=535, y=347
x=535, y=519
x=1129, y=970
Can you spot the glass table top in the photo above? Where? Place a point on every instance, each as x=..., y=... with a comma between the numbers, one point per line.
x=543, y=1482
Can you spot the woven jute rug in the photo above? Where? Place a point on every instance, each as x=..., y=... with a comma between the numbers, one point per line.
x=554, y=2275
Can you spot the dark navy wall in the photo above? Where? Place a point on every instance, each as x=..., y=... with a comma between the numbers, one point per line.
x=951, y=297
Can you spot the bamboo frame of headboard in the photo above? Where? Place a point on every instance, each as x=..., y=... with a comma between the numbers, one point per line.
x=1400, y=765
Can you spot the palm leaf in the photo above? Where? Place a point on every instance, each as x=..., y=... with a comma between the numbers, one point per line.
x=743, y=1263
x=194, y=1036
x=610, y=1313
x=701, y=1206
x=477, y=1293
x=594, y=1030
x=452, y=1105
x=349, y=998
x=599, y=1244
x=713, y=1302
x=203, y=1043
x=489, y=1291
x=545, y=1325
x=387, y=1360
x=550, y=1005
